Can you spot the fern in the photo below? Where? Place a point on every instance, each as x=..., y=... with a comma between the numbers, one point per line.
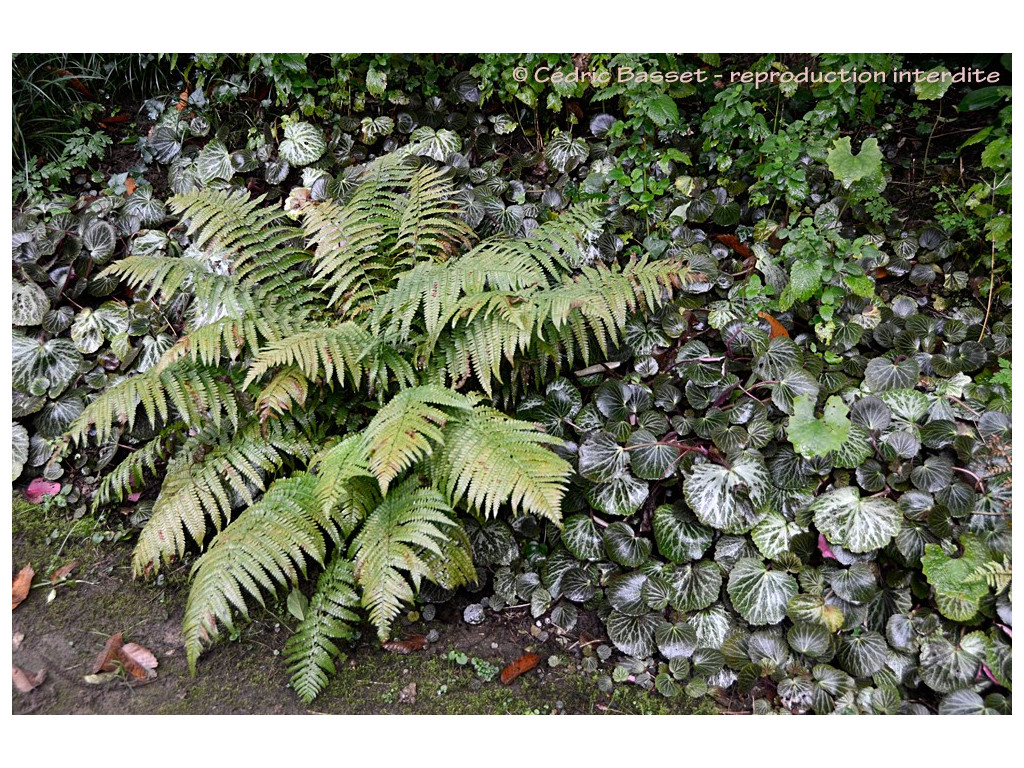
x=490, y=459
x=311, y=652
x=392, y=549
x=207, y=481
x=352, y=333
x=404, y=430
x=265, y=548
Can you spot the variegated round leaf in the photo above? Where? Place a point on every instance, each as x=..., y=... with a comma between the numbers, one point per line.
x=810, y=640
x=634, y=635
x=99, y=238
x=651, y=459
x=678, y=534
x=303, y=143
x=863, y=654
x=214, y=162
x=625, y=593
x=55, y=362
x=693, y=586
x=29, y=304
x=728, y=498
x=19, y=449
x=602, y=459
x=760, y=595
x=675, y=641
x=563, y=153
x=625, y=547
x=582, y=538
x=860, y=525
x=621, y=497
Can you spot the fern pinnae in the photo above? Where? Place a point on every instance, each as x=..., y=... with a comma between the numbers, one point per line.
x=130, y=474
x=312, y=651
x=265, y=548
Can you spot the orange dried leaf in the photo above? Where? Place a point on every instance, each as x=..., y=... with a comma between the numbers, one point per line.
x=105, y=661
x=138, y=660
x=129, y=185
x=26, y=682
x=22, y=584
x=182, y=100
x=62, y=572
x=409, y=645
x=734, y=242
x=777, y=328
x=519, y=666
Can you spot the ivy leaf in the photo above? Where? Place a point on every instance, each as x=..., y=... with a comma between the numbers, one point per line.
x=303, y=143
x=860, y=525
x=727, y=498
x=817, y=437
x=760, y=595
x=848, y=167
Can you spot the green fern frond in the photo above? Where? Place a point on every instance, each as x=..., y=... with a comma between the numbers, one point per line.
x=406, y=429
x=130, y=475
x=286, y=389
x=429, y=228
x=162, y=274
x=198, y=396
x=208, y=481
x=312, y=651
x=264, y=549
x=319, y=353
x=410, y=522
x=338, y=470
x=490, y=459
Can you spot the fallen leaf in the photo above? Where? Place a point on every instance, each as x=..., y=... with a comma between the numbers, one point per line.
x=17, y=640
x=129, y=185
x=105, y=661
x=26, y=682
x=103, y=677
x=138, y=660
x=22, y=584
x=62, y=573
x=734, y=242
x=39, y=488
x=414, y=643
x=182, y=100
x=777, y=328
x=519, y=666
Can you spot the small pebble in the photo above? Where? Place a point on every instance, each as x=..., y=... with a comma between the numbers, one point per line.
x=474, y=614
x=433, y=636
x=494, y=646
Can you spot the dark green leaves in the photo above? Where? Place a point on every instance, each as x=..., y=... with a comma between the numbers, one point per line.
x=758, y=594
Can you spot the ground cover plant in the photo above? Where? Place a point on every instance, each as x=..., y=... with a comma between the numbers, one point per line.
x=724, y=365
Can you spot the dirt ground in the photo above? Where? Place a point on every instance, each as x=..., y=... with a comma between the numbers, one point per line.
x=246, y=675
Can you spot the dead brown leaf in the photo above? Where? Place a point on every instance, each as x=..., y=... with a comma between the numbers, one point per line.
x=62, y=573
x=105, y=661
x=409, y=645
x=138, y=660
x=22, y=584
x=26, y=682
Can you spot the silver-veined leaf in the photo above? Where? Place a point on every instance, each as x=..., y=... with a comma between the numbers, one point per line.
x=622, y=496
x=760, y=595
x=29, y=304
x=303, y=143
x=19, y=446
x=693, y=586
x=582, y=539
x=633, y=635
x=857, y=524
x=863, y=654
x=727, y=498
x=214, y=162
x=945, y=667
x=624, y=547
x=680, y=537
x=602, y=459
x=99, y=238
x=774, y=534
x=625, y=593
x=563, y=153
x=651, y=459
x=56, y=361
x=675, y=640
x=809, y=640
x=437, y=145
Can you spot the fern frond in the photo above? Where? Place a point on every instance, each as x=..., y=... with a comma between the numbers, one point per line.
x=264, y=549
x=410, y=522
x=337, y=469
x=311, y=652
x=319, y=353
x=198, y=395
x=286, y=389
x=406, y=429
x=129, y=476
x=209, y=481
x=490, y=459
x=429, y=228
x=162, y=274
